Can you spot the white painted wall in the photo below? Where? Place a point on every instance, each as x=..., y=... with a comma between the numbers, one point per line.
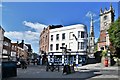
x=67, y=41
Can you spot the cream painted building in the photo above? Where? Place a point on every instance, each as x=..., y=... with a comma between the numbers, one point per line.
x=65, y=36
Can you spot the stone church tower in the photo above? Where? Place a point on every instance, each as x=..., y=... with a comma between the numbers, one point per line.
x=91, y=37
x=106, y=18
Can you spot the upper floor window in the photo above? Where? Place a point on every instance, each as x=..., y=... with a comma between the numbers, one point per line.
x=46, y=37
x=63, y=44
x=51, y=47
x=82, y=34
x=81, y=45
x=78, y=34
x=63, y=36
x=57, y=46
x=51, y=37
x=71, y=35
x=5, y=51
x=12, y=47
x=6, y=43
x=57, y=36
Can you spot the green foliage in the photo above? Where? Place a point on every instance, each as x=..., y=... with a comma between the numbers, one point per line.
x=114, y=33
x=98, y=39
x=104, y=53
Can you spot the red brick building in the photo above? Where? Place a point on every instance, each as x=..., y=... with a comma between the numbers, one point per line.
x=44, y=39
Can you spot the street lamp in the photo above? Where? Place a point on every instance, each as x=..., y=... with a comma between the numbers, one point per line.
x=63, y=53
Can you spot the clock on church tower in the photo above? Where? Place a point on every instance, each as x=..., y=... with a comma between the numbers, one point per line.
x=106, y=18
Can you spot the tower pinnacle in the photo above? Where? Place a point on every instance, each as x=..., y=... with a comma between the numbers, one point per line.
x=91, y=27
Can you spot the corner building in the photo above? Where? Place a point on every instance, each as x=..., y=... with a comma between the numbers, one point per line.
x=63, y=37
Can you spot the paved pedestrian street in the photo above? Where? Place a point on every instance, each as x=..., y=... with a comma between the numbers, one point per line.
x=39, y=72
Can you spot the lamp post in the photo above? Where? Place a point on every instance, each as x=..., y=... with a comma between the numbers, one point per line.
x=63, y=54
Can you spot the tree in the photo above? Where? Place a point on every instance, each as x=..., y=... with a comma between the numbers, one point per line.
x=114, y=34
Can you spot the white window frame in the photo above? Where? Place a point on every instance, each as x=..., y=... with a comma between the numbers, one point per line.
x=71, y=35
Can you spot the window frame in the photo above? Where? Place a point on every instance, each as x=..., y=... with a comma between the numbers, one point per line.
x=51, y=37
x=57, y=47
x=57, y=37
x=51, y=47
x=82, y=36
x=63, y=36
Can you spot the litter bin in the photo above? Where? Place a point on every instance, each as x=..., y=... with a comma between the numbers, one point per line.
x=9, y=69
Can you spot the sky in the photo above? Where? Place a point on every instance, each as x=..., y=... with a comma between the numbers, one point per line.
x=25, y=20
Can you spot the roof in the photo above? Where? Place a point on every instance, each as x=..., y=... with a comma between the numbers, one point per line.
x=76, y=26
x=55, y=26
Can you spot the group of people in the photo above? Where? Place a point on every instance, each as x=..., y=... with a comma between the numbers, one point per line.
x=35, y=61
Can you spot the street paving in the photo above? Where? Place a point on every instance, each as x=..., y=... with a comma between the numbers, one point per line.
x=38, y=71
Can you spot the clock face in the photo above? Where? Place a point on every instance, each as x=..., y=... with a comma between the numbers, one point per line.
x=105, y=23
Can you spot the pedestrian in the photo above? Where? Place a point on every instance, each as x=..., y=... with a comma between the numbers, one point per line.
x=28, y=62
x=34, y=61
x=23, y=62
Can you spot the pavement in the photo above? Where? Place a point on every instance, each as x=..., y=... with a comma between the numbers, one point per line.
x=86, y=72
x=111, y=72
x=97, y=66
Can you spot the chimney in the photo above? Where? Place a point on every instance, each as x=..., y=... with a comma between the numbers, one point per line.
x=22, y=41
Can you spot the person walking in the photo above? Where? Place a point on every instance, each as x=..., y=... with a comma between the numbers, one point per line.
x=23, y=62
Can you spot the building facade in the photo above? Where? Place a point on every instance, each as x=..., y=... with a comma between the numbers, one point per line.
x=44, y=41
x=20, y=49
x=14, y=51
x=106, y=18
x=29, y=51
x=6, y=49
x=1, y=41
x=72, y=37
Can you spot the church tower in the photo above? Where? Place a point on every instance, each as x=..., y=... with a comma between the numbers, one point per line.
x=106, y=18
x=91, y=37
